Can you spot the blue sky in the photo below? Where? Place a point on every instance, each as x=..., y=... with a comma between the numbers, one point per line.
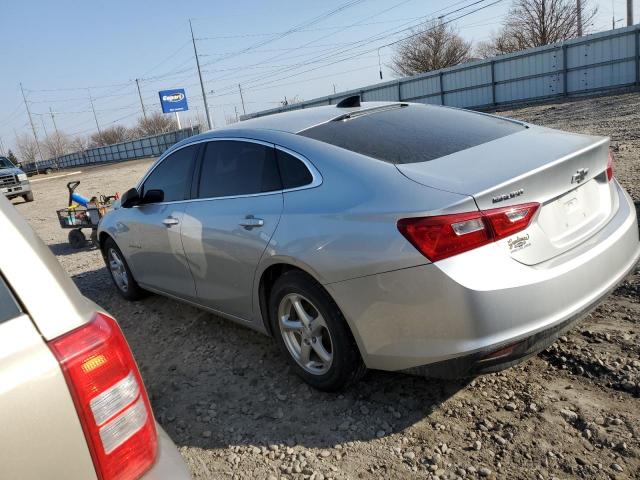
x=64, y=51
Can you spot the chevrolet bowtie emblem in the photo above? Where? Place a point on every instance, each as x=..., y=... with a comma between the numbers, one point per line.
x=580, y=175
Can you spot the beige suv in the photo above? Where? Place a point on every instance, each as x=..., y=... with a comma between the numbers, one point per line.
x=72, y=403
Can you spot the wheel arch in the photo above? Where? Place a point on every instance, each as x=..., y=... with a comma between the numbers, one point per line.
x=267, y=278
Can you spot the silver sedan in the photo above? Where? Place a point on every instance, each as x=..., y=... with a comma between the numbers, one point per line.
x=390, y=236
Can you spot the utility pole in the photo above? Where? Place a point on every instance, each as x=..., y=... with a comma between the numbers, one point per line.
x=33, y=128
x=235, y=109
x=53, y=120
x=204, y=94
x=334, y=88
x=242, y=99
x=629, y=13
x=579, y=11
x=2, y=148
x=58, y=140
x=144, y=112
x=43, y=126
x=95, y=117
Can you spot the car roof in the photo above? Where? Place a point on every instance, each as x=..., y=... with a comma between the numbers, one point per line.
x=295, y=121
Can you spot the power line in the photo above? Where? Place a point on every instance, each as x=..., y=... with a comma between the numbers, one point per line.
x=361, y=43
x=370, y=50
x=358, y=43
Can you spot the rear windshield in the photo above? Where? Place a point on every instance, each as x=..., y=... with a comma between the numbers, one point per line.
x=415, y=133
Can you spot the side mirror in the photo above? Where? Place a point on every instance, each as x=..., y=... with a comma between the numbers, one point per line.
x=130, y=198
x=153, y=196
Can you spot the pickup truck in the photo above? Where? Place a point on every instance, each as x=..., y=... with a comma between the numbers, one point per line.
x=13, y=181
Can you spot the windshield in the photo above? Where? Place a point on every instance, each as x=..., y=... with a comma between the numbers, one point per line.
x=5, y=163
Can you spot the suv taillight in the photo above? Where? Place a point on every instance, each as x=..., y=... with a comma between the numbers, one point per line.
x=443, y=236
x=610, y=166
x=110, y=398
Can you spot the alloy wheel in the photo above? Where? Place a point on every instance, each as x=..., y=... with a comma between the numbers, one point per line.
x=118, y=270
x=305, y=334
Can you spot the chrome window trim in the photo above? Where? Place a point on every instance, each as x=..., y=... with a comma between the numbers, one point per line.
x=316, y=177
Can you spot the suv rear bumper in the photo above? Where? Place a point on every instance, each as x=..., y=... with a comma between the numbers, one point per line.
x=467, y=306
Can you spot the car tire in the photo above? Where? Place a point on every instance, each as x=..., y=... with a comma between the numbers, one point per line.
x=324, y=354
x=120, y=273
x=28, y=197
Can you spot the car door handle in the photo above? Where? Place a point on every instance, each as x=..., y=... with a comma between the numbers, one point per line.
x=250, y=222
x=170, y=221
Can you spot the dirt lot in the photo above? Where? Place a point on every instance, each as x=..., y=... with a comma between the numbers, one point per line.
x=226, y=397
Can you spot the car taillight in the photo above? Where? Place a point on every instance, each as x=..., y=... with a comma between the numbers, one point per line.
x=610, y=166
x=443, y=236
x=110, y=398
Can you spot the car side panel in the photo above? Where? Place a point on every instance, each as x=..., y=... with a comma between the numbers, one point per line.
x=41, y=434
x=346, y=227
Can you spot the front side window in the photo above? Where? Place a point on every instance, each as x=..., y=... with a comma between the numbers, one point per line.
x=232, y=167
x=173, y=175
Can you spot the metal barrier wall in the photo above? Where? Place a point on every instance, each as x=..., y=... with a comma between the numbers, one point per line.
x=601, y=61
x=140, y=148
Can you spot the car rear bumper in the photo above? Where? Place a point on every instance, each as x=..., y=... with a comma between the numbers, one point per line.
x=462, y=308
x=169, y=463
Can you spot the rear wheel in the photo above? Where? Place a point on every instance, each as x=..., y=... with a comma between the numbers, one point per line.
x=122, y=278
x=313, y=334
x=77, y=238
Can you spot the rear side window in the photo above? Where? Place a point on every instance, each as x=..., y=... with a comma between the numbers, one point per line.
x=293, y=171
x=231, y=167
x=173, y=174
x=410, y=134
x=9, y=308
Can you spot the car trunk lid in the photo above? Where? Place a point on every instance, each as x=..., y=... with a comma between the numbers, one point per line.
x=564, y=172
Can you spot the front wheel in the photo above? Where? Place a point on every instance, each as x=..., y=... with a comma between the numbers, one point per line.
x=28, y=197
x=127, y=287
x=313, y=334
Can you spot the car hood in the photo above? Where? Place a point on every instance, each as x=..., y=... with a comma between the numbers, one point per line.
x=10, y=171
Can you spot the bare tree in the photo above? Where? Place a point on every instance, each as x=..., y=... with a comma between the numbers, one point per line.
x=155, y=124
x=27, y=147
x=433, y=46
x=79, y=144
x=109, y=136
x=291, y=100
x=56, y=145
x=12, y=158
x=534, y=23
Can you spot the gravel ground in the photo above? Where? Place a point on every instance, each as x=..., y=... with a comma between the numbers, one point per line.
x=227, y=398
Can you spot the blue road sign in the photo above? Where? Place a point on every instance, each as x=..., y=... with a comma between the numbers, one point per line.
x=174, y=100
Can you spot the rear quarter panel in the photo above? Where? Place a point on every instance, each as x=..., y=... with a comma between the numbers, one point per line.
x=346, y=227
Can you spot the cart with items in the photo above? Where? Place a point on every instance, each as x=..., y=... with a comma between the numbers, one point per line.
x=83, y=213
